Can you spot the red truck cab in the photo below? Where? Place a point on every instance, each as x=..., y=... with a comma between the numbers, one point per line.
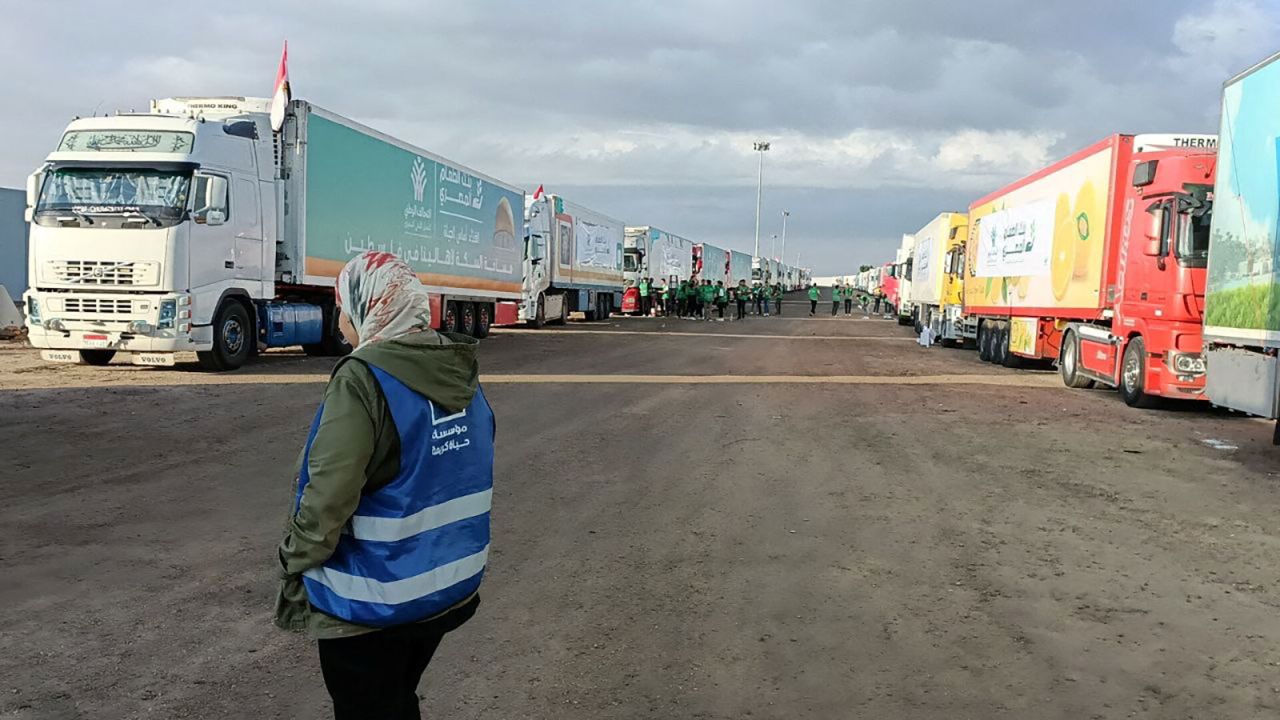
x=889, y=283
x=1153, y=344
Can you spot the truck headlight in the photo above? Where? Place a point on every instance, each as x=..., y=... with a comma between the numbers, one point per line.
x=168, y=311
x=33, y=310
x=1188, y=363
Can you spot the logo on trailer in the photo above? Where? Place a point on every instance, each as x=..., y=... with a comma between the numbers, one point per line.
x=419, y=178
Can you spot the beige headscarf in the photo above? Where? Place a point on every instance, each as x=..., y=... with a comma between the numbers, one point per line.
x=383, y=297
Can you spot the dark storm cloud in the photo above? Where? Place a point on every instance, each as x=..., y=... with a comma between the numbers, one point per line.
x=881, y=113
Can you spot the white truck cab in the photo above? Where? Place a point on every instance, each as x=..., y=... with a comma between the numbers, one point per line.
x=142, y=224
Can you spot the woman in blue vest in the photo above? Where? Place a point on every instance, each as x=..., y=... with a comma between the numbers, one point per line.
x=388, y=533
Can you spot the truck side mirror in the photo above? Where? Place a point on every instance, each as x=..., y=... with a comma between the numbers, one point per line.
x=33, y=194
x=215, y=217
x=1154, y=231
x=217, y=193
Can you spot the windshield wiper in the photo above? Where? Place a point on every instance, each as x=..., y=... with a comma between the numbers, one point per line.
x=79, y=215
x=141, y=214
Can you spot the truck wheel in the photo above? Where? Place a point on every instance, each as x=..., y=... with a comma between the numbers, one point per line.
x=232, y=339
x=449, y=323
x=564, y=311
x=999, y=344
x=984, y=341
x=1133, y=371
x=467, y=319
x=1069, y=363
x=484, y=319
x=97, y=357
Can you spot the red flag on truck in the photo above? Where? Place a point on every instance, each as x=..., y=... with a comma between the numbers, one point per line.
x=281, y=96
x=537, y=193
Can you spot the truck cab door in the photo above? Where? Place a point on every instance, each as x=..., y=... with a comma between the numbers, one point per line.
x=535, y=263
x=248, y=235
x=211, y=246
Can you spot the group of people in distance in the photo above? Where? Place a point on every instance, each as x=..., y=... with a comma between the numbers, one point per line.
x=868, y=303
x=694, y=299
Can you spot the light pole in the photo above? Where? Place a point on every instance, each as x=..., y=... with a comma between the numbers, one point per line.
x=785, y=214
x=773, y=246
x=761, y=147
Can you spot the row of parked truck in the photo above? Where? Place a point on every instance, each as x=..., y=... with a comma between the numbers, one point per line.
x=197, y=227
x=1145, y=263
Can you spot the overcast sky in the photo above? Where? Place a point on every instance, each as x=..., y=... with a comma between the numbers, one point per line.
x=881, y=114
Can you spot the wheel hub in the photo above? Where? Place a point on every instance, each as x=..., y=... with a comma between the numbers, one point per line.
x=1132, y=370
x=232, y=336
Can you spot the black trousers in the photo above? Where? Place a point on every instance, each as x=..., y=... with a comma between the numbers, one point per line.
x=835, y=306
x=646, y=304
x=848, y=306
x=813, y=307
x=375, y=676
x=777, y=306
x=742, y=308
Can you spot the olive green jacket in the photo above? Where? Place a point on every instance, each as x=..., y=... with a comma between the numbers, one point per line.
x=357, y=449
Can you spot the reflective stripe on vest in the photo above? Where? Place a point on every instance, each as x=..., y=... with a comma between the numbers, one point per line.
x=419, y=545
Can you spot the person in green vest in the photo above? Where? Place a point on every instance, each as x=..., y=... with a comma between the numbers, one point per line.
x=836, y=294
x=682, y=299
x=777, y=300
x=742, y=294
x=664, y=295
x=813, y=299
x=722, y=298
x=646, y=301
x=848, y=299
x=707, y=298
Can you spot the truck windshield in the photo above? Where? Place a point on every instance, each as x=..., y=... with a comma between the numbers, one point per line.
x=110, y=196
x=631, y=261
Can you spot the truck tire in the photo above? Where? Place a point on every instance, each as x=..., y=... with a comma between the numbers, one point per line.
x=450, y=321
x=1133, y=371
x=467, y=319
x=999, y=343
x=564, y=311
x=984, y=341
x=484, y=319
x=332, y=343
x=232, y=339
x=1069, y=363
x=97, y=357
x=539, y=317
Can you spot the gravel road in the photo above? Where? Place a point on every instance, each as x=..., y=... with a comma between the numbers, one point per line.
x=832, y=523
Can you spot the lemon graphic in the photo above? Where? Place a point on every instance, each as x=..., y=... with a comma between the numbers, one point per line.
x=1086, y=202
x=1063, y=262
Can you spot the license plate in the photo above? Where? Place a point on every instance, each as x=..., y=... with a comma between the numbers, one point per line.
x=156, y=359
x=66, y=356
x=96, y=341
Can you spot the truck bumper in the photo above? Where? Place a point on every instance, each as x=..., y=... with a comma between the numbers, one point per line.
x=65, y=321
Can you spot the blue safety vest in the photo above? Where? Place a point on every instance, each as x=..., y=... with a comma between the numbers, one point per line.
x=417, y=546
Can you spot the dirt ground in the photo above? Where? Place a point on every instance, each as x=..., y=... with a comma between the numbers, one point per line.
x=832, y=523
